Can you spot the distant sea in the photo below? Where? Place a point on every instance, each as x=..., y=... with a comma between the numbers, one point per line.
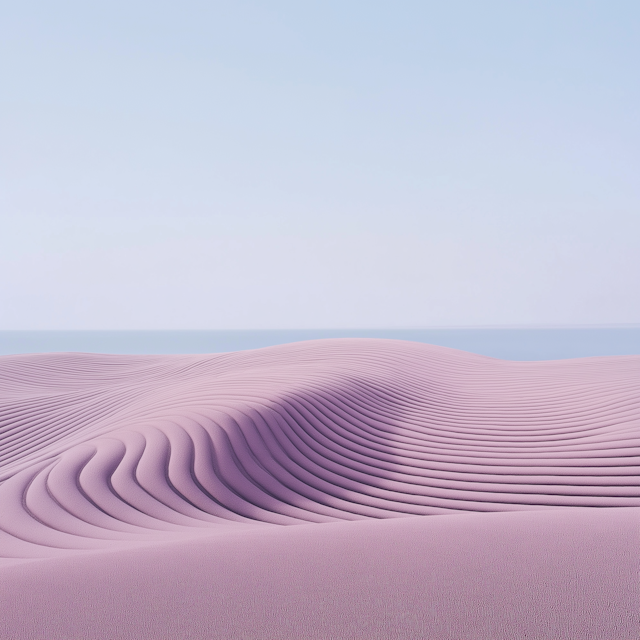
x=510, y=344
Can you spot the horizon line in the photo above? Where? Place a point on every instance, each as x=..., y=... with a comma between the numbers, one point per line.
x=346, y=329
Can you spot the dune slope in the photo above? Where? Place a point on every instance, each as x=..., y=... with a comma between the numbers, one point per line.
x=104, y=455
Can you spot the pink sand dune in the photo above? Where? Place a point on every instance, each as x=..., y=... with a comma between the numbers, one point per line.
x=144, y=496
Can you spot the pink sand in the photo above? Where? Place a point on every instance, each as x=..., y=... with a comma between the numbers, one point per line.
x=433, y=494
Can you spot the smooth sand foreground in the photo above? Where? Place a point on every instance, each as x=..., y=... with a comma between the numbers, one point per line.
x=431, y=493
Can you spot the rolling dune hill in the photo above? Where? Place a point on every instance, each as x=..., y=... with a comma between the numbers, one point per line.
x=351, y=488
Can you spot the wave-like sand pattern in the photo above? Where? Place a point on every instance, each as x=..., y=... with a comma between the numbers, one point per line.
x=101, y=450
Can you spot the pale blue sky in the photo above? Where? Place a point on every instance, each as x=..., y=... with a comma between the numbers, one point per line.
x=209, y=165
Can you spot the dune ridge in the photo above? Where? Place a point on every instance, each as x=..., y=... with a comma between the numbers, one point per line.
x=98, y=451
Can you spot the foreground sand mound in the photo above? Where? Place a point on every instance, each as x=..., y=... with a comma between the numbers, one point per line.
x=126, y=455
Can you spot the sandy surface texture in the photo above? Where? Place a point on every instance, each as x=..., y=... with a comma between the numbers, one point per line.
x=350, y=488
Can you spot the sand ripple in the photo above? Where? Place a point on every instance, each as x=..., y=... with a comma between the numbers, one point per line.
x=96, y=449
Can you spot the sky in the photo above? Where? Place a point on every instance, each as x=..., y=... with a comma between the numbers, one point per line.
x=304, y=165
